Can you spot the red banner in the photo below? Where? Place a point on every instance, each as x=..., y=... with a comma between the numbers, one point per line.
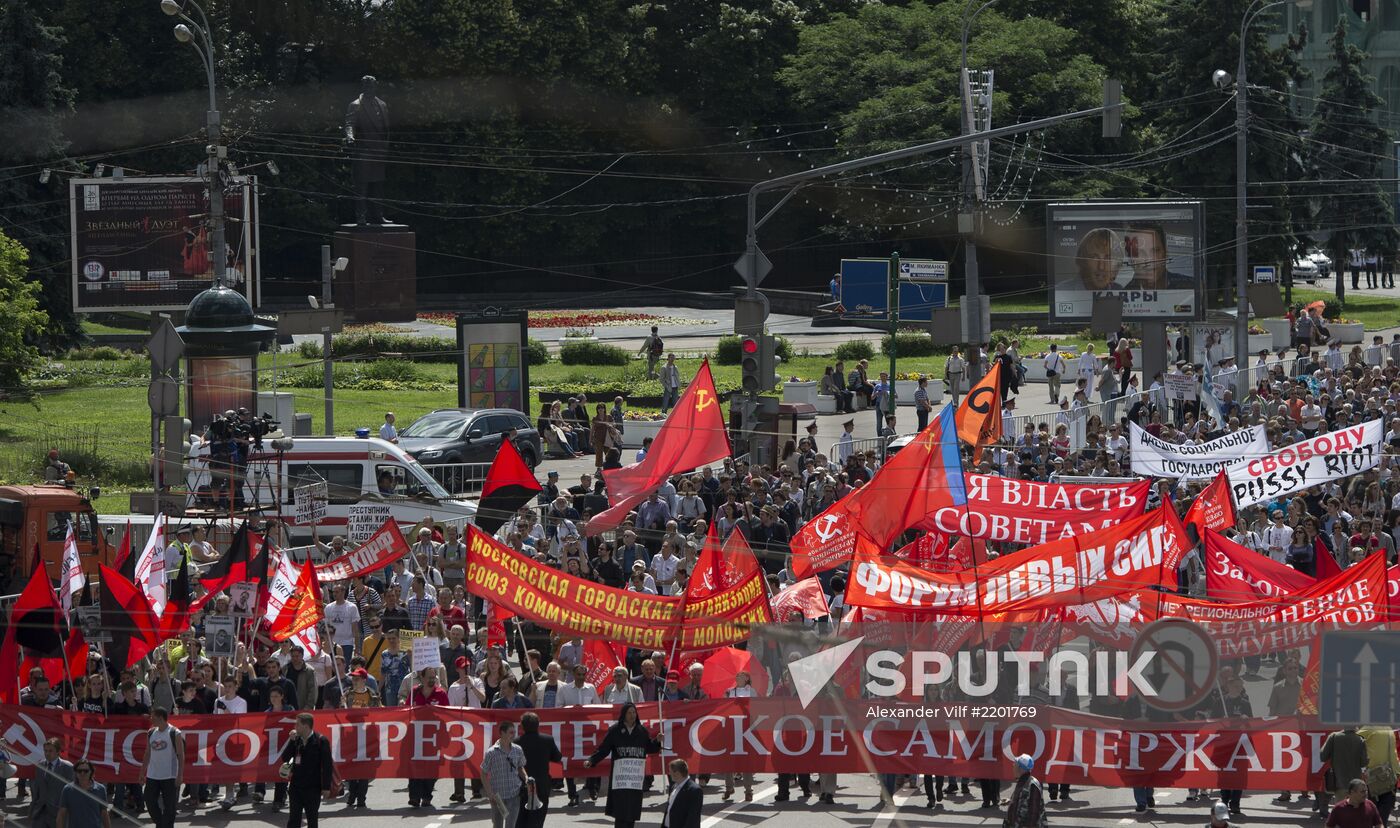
x=1355, y=596
x=567, y=604
x=1023, y=511
x=385, y=546
x=1238, y=573
x=1132, y=557
x=715, y=736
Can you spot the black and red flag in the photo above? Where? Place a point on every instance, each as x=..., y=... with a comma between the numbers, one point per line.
x=127, y=613
x=33, y=625
x=232, y=567
x=125, y=562
x=509, y=485
x=175, y=618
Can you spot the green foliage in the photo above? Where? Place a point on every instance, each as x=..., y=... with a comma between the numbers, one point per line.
x=1348, y=154
x=910, y=344
x=593, y=353
x=20, y=299
x=33, y=103
x=1331, y=309
x=372, y=375
x=536, y=353
x=104, y=352
x=423, y=348
x=310, y=349
x=855, y=350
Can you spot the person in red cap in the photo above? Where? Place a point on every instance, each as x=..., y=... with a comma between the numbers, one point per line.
x=358, y=696
x=672, y=690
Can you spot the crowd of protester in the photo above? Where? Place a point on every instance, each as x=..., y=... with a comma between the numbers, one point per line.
x=369, y=622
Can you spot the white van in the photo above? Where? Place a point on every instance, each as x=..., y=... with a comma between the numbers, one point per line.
x=355, y=470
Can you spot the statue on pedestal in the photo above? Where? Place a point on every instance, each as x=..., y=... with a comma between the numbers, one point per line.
x=367, y=136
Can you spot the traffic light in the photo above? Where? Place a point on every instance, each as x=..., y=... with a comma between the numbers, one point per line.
x=758, y=363
x=750, y=364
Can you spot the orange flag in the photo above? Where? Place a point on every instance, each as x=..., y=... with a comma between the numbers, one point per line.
x=979, y=416
x=303, y=609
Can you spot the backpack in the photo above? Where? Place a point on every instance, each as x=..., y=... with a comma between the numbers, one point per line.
x=657, y=346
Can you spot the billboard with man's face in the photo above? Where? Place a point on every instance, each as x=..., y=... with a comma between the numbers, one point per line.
x=1149, y=254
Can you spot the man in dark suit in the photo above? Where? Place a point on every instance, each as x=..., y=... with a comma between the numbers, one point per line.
x=540, y=751
x=685, y=800
x=311, y=778
x=50, y=777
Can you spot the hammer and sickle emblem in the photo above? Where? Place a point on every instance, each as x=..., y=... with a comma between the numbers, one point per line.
x=703, y=399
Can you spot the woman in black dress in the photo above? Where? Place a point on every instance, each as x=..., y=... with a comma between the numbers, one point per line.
x=627, y=743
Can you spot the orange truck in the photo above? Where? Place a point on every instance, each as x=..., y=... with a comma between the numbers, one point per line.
x=33, y=516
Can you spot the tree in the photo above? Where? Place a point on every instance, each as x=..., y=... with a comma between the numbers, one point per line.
x=20, y=298
x=33, y=103
x=1195, y=128
x=1347, y=151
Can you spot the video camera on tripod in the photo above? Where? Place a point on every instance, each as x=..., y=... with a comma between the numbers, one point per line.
x=236, y=426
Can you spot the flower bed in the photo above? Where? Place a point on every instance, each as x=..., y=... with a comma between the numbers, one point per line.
x=580, y=319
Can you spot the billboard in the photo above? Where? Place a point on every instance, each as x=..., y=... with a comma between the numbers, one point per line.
x=1149, y=254
x=493, y=372
x=142, y=243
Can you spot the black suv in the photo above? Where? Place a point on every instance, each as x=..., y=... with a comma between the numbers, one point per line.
x=468, y=435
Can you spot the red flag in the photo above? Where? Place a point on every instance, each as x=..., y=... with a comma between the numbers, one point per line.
x=1238, y=573
x=979, y=415
x=806, y=596
x=923, y=477
x=496, y=617
x=1213, y=508
x=1393, y=592
x=601, y=658
x=303, y=609
x=127, y=613
x=509, y=485
x=726, y=595
x=694, y=434
x=1325, y=565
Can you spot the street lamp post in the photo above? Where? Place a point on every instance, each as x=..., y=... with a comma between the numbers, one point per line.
x=972, y=283
x=1242, y=372
x=186, y=32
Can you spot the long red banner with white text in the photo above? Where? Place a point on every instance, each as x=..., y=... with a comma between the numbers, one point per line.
x=385, y=546
x=1024, y=511
x=716, y=736
x=1133, y=556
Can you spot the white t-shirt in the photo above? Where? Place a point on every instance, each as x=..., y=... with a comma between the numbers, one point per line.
x=665, y=570
x=237, y=704
x=344, y=618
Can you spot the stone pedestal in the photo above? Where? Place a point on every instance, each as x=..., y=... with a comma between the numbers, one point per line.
x=381, y=283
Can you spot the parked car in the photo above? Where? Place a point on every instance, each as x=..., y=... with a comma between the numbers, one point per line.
x=1323, y=262
x=1306, y=270
x=469, y=435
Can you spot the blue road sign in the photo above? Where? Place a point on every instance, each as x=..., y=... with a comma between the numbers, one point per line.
x=865, y=292
x=1357, y=678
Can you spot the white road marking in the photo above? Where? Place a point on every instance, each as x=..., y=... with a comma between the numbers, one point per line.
x=719, y=817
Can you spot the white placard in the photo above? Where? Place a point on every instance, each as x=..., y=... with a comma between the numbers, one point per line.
x=365, y=520
x=243, y=599
x=1193, y=461
x=310, y=503
x=220, y=636
x=1180, y=386
x=1329, y=456
x=426, y=653
x=90, y=622
x=627, y=774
